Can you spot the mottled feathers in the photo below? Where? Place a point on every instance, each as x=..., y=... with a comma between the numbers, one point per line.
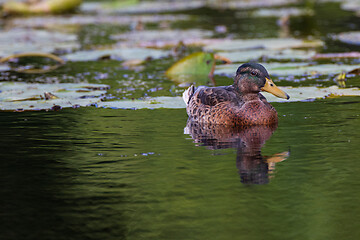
x=237, y=104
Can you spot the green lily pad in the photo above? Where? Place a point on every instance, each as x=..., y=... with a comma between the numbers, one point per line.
x=296, y=94
x=311, y=93
x=352, y=38
x=291, y=54
x=280, y=12
x=143, y=7
x=119, y=53
x=336, y=55
x=29, y=40
x=157, y=43
x=295, y=69
x=266, y=43
x=32, y=96
x=40, y=7
x=349, y=5
x=196, y=64
x=4, y=67
x=138, y=37
x=233, y=4
x=150, y=103
x=51, y=21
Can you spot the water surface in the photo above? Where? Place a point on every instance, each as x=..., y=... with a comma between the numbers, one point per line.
x=122, y=174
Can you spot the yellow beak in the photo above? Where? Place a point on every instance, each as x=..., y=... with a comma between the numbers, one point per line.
x=272, y=88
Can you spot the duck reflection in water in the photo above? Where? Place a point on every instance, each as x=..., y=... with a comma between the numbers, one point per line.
x=247, y=140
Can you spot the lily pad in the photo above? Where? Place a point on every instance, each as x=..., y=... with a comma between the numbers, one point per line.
x=137, y=37
x=295, y=69
x=280, y=12
x=51, y=21
x=296, y=94
x=349, y=5
x=32, y=96
x=311, y=93
x=40, y=7
x=143, y=7
x=4, y=67
x=352, y=38
x=336, y=55
x=250, y=4
x=196, y=64
x=291, y=54
x=266, y=43
x=28, y=40
x=119, y=53
x=150, y=103
x=174, y=42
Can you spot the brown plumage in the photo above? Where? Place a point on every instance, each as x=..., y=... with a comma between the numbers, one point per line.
x=237, y=104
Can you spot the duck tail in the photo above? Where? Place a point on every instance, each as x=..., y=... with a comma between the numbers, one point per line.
x=187, y=94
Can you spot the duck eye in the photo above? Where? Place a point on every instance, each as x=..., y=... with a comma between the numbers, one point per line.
x=253, y=73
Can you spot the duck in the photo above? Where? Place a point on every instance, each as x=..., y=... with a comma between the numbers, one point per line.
x=240, y=104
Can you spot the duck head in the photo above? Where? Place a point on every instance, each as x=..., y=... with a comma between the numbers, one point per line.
x=253, y=78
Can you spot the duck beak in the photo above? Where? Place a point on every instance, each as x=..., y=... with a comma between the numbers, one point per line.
x=272, y=88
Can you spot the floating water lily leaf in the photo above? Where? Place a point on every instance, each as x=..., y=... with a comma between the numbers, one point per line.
x=336, y=55
x=266, y=43
x=244, y=56
x=4, y=67
x=51, y=21
x=295, y=69
x=119, y=53
x=352, y=38
x=143, y=7
x=32, y=96
x=296, y=94
x=174, y=42
x=153, y=37
x=280, y=12
x=196, y=64
x=30, y=40
x=40, y=7
x=233, y=4
x=311, y=93
x=349, y=5
x=150, y=103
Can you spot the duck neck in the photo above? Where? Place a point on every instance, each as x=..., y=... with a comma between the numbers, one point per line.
x=246, y=88
x=250, y=96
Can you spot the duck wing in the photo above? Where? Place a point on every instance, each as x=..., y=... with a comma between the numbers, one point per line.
x=213, y=104
x=212, y=96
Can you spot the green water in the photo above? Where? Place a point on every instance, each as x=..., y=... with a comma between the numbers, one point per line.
x=123, y=174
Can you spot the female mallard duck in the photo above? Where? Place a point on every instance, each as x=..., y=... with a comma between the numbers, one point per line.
x=237, y=104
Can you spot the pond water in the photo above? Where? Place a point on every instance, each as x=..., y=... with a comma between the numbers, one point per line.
x=102, y=173
x=124, y=174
